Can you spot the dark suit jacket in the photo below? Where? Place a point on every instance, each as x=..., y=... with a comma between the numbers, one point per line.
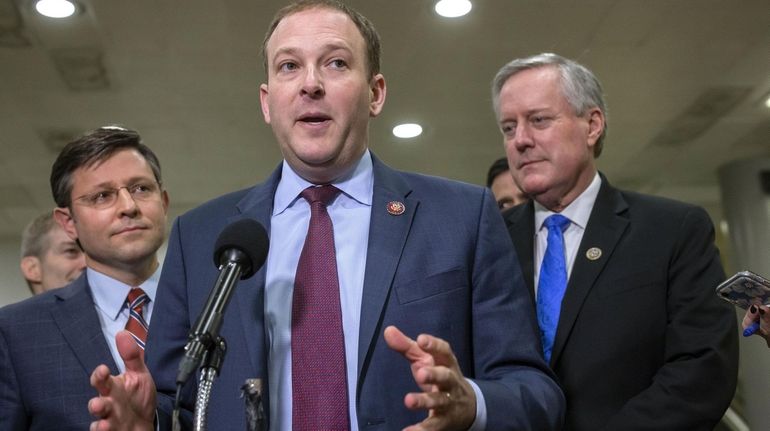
x=49, y=345
x=643, y=343
x=444, y=267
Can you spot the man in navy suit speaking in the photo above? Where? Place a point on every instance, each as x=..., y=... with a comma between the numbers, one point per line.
x=107, y=188
x=428, y=310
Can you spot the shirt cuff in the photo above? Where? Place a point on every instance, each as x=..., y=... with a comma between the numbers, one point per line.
x=480, y=423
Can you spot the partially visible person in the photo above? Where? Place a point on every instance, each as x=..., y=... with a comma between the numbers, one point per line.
x=500, y=181
x=419, y=318
x=49, y=258
x=623, y=282
x=758, y=314
x=109, y=197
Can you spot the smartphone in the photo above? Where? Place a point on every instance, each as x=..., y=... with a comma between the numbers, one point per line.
x=744, y=289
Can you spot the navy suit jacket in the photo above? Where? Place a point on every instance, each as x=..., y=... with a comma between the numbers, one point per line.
x=49, y=345
x=444, y=267
x=643, y=342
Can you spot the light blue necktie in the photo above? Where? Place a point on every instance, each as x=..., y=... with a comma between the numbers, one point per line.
x=553, y=282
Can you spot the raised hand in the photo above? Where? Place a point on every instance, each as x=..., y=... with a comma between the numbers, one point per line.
x=448, y=397
x=126, y=402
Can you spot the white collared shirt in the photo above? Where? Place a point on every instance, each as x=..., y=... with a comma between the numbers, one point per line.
x=578, y=212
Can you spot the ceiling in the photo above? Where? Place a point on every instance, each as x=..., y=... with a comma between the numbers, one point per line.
x=685, y=82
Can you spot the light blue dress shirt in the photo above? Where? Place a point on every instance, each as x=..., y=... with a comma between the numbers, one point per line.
x=110, y=302
x=350, y=213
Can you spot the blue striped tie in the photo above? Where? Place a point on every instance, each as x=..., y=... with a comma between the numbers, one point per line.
x=553, y=282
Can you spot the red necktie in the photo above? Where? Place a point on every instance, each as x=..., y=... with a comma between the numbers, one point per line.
x=319, y=378
x=136, y=325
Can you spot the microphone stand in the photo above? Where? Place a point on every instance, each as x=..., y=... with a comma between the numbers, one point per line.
x=210, y=365
x=205, y=347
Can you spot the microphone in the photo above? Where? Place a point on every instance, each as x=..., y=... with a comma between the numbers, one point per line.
x=239, y=252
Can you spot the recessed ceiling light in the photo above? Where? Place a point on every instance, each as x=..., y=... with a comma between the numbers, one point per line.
x=767, y=101
x=55, y=8
x=407, y=130
x=453, y=8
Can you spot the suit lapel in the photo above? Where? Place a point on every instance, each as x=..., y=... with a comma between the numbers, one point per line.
x=75, y=315
x=250, y=295
x=605, y=228
x=521, y=226
x=387, y=235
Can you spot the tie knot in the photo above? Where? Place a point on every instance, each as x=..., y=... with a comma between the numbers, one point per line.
x=556, y=221
x=323, y=194
x=136, y=297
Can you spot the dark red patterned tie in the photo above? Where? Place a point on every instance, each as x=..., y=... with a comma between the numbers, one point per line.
x=318, y=371
x=136, y=325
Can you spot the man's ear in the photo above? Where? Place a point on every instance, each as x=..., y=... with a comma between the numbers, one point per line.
x=63, y=217
x=30, y=267
x=595, y=125
x=377, y=92
x=264, y=94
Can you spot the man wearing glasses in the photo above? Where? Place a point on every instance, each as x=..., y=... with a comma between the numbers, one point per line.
x=109, y=197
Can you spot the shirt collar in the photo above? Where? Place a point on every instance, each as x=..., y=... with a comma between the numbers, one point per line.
x=578, y=211
x=357, y=184
x=110, y=294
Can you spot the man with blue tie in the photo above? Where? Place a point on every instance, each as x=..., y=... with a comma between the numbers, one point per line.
x=110, y=201
x=623, y=282
x=402, y=289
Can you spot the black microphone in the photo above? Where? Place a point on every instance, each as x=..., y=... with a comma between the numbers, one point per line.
x=239, y=252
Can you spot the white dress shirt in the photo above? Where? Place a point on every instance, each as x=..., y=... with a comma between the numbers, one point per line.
x=578, y=212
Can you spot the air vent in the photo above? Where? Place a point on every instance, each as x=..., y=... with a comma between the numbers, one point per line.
x=707, y=109
x=81, y=69
x=55, y=139
x=11, y=26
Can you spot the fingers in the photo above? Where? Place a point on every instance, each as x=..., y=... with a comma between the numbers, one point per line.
x=439, y=349
x=97, y=407
x=432, y=359
x=449, y=398
x=100, y=380
x=438, y=400
x=396, y=339
x=764, y=320
x=130, y=352
x=448, y=409
x=100, y=426
x=399, y=342
x=440, y=376
x=751, y=316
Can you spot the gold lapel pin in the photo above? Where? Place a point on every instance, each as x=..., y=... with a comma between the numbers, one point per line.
x=594, y=253
x=396, y=208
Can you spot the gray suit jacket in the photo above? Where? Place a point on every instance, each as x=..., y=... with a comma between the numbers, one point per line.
x=49, y=345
